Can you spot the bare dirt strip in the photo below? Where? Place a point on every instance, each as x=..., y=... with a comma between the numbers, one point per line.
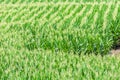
x=115, y=52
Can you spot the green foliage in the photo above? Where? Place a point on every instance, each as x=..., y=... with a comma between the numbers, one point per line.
x=47, y=65
x=38, y=41
x=83, y=28
x=28, y=1
x=115, y=30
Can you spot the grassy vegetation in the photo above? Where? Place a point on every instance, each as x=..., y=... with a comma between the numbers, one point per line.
x=80, y=28
x=46, y=65
x=40, y=41
x=28, y=1
x=116, y=32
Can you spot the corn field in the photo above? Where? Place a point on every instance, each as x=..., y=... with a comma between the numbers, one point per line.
x=59, y=39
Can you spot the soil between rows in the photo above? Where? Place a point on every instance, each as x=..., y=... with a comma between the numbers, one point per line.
x=115, y=50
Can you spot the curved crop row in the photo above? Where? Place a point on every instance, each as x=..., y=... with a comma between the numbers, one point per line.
x=42, y=64
x=32, y=1
x=80, y=28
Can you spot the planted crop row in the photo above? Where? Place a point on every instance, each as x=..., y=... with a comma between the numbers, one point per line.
x=41, y=64
x=32, y=1
x=80, y=28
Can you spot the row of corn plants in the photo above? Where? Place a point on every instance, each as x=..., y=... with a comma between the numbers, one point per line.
x=87, y=28
x=47, y=65
x=29, y=1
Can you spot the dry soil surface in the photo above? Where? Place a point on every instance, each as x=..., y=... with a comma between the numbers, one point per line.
x=115, y=51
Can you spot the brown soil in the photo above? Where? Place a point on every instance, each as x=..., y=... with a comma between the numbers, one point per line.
x=115, y=52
